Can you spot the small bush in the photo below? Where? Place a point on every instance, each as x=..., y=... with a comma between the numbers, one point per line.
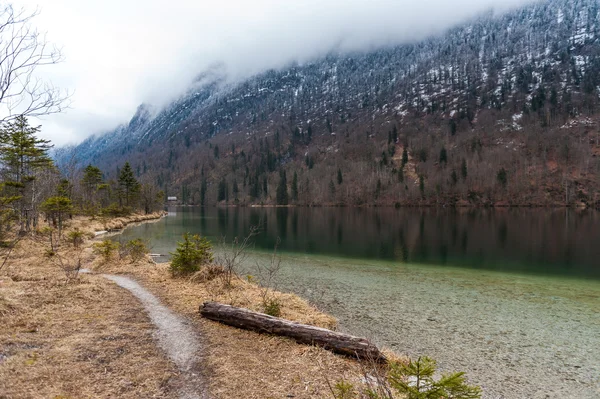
x=415, y=380
x=190, y=255
x=114, y=210
x=272, y=306
x=75, y=238
x=107, y=249
x=412, y=380
x=135, y=249
x=344, y=390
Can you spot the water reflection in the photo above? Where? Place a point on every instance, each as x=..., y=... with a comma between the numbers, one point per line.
x=559, y=241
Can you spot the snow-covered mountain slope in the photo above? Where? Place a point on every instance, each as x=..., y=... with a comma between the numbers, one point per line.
x=512, y=76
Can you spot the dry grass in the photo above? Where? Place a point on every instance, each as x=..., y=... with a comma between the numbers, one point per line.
x=88, y=338
x=73, y=340
x=244, y=364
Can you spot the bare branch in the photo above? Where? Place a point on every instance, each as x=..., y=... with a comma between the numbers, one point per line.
x=23, y=50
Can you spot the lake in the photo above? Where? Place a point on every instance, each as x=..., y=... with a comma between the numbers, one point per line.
x=511, y=296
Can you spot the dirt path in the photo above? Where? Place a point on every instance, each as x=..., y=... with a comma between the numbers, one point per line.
x=175, y=336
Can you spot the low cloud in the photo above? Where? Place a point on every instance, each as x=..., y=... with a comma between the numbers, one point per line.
x=122, y=53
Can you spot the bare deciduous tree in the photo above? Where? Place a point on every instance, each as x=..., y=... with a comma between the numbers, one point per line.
x=23, y=50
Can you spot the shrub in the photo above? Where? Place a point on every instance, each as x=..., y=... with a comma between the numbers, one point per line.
x=344, y=390
x=272, y=306
x=75, y=238
x=115, y=210
x=190, y=255
x=136, y=249
x=412, y=380
x=107, y=249
x=415, y=379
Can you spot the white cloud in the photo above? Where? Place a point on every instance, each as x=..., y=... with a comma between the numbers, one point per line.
x=120, y=53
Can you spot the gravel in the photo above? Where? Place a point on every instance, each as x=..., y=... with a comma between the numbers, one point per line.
x=175, y=336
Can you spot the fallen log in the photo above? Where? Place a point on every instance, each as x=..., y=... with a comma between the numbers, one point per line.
x=248, y=320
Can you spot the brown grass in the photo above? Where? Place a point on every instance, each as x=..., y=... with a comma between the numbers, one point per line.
x=244, y=364
x=89, y=338
x=73, y=340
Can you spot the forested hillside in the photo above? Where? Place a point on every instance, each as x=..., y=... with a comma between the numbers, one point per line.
x=502, y=110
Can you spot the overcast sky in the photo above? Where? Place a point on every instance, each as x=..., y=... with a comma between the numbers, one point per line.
x=120, y=53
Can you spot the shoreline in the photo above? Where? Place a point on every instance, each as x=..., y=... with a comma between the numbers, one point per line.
x=578, y=207
x=289, y=368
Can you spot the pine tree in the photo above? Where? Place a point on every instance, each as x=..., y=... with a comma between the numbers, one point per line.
x=404, y=157
x=384, y=158
x=235, y=190
x=203, y=189
x=340, y=178
x=190, y=255
x=128, y=185
x=295, y=187
x=91, y=182
x=92, y=178
x=463, y=169
x=443, y=156
x=502, y=177
x=57, y=209
x=222, y=192
x=282, y=194
x=265, y=187
x=22, y=156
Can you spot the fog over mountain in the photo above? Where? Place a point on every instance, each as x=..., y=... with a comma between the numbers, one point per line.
x=121, y=54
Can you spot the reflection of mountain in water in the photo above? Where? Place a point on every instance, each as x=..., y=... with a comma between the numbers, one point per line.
x=529, y=241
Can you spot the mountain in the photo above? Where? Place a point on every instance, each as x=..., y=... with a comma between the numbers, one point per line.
x=500, y=111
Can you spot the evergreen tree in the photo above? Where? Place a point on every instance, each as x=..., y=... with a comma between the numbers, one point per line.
x=282, y=194
x=203, y=189
x=295, y=187
x=401, y=175
x=404, y=156
x=255, y=187
x=422, y=185
x=57, y=209
x=222, y=192
x=384, y=158
x=92, y=178
x=502, y=177
x=265, y=187
x=378, y=189
x=340, y=178
x=128, y=185
x=443, y=156
x=91, y=183
x=235, y=190
x=22, y=157
x=463, y=169
x=191, y=254
x=454, y=177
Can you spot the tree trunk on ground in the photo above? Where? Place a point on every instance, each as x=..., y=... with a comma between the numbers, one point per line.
x=337, y=342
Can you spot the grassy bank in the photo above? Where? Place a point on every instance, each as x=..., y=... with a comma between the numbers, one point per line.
x=86, y=337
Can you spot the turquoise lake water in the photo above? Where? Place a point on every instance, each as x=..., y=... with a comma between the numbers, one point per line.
x=510, y=296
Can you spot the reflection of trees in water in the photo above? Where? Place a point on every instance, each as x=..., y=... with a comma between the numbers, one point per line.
x=517, y=239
